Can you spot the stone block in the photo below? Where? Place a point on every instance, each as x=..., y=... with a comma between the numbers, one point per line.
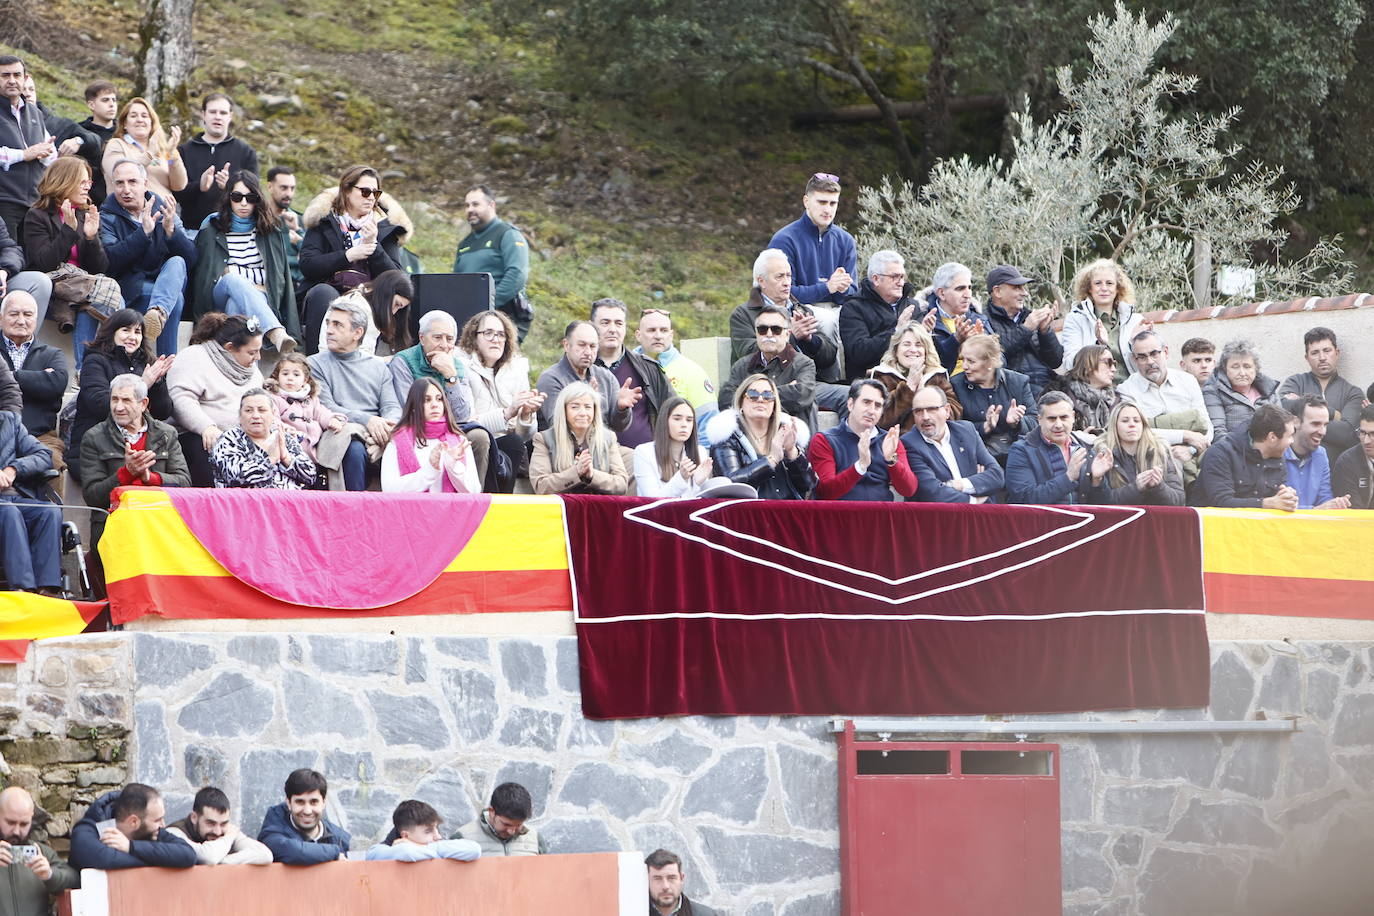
x=565, y=665
x=1077, y=781
x=760, y=909
x=814, y=905
x=1233, y=687
x=524, y=667
x=451, y=796
x=1360, y=767
x=623, y=794
x=417, y=663
x=574, y=834
x=259, y=650
x=53, y=672
x=810, y=788
x=1315, y=810
x=677, y=752
x=1084, y=862
x=59, y=776
x=102, y=706
x=1309, y=763
x=537, y=778
x=205, y=766
x=531, y=728
x=1357, y=673
x=355, y=655
x=464, y=648
x=153, y=763
x=294, y=652
x=1227, y=823
x=1192, y=758
x=95, y=668
x=744, y=861
x=41, y=751
x=160, y=661
x=1354, y=725
x=262, y=776
x=720, y=726
x=87, y=776
x=471, y=696
x=817, y=727
x=1126, y=849
x=1253, y=769
x=1281, y=692
x=590, y=733
x=1179, y=881
x=1322, y=689
x=405, y=771
x=45, y=704
x=348, y=766
x=408, y=720
x=314, y=708
x=1140, y=807
x=369, y=811
x=96, y=732
x=1117, y=755
x=230, y=706
x=733, y=788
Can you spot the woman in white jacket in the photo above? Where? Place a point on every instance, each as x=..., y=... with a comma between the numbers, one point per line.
x=1105, y=314
x=672, y=465
x=498, y=378
x=428, y=452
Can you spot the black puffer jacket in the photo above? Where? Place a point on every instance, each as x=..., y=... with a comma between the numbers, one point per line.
x=733, y=458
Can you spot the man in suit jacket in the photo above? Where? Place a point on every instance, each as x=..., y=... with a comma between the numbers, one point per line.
x=951, y=463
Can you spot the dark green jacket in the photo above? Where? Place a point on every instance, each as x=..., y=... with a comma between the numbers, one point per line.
x=499, y=250
x=22, y=894
x=102, y=455
x=212, y=253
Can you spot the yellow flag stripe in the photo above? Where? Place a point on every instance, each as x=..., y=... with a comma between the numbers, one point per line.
x=27, y=616
x=1328, y=544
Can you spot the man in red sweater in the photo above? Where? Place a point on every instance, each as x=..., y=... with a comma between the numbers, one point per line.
x=856, y=459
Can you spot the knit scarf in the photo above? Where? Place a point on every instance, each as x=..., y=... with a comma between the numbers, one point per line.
x=242, y=223
x=414, y=357
x=224, y=362
x=407, y=462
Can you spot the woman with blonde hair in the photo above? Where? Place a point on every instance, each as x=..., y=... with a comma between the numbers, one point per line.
x=138, y=136
x=997, y=400
x=911, y=363
x=1104, y=313
x=1142, y=470
x=578, y=454
x=756, y=443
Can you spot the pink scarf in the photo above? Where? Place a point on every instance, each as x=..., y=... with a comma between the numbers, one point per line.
x=407, y=462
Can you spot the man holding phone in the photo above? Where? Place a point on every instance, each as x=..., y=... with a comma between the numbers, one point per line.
x=31, y=870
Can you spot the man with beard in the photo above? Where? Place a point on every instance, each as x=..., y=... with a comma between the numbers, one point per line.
x=665, y=887
x=281, y=184
x=951, y=463
x=216, y=839
x=124, y=829
x=496, y=247
x=296, y=830
x=610, y=317
x=41, y=871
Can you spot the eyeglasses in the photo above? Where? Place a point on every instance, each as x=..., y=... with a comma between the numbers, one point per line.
x=1153, y=354
x=492, y=334
x=1107, y=361
x=664, y=312
x=900, y=278
x=239, y=197
x=768, y=330
x=825, y=176
x=765, y=395
x=368, y=192
x=1365, y=433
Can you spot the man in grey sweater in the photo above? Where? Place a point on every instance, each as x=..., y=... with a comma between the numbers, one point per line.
x=356, y=385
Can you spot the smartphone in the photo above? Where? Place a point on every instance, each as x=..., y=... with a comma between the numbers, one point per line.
x=102, y=826
x=24, y=853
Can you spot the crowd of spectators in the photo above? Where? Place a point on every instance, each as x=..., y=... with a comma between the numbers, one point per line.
x=127, y=828
x=963, y=389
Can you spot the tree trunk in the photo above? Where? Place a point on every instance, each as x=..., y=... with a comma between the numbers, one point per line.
x=1202, y=272
x=166, y=56
x=939, y=77
x=854, y=114
x=906, y=163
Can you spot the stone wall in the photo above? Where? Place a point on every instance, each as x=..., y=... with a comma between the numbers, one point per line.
x=1152, y=824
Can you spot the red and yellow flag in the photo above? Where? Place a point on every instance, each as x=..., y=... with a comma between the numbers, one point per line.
x=25, y=617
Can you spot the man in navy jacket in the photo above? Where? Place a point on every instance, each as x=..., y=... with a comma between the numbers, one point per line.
x=1044, y=467
x=935, y=440
x=1246, y=470
x=823, y=256
x=132, y=836
x=296, y=830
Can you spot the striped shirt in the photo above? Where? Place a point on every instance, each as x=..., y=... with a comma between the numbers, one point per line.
x=244, y=257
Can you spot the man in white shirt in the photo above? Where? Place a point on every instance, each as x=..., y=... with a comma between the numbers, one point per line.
x=1170, y=399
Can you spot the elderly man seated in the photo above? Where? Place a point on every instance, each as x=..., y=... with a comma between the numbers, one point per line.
x=30, y=527
x=358, y=386
x=130, y=448
x=951, y=463
x=436, y=356
x=883, y=301
x=951, y=316
x=40, y=370
x=774, y=356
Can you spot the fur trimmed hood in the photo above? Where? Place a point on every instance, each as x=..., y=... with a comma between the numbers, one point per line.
x=318, y=209
x=723, y=425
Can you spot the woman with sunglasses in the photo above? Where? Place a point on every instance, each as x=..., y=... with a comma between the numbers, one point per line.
x=756, y=443
x=1090, y=382
x=241, y=264
x=353, y=244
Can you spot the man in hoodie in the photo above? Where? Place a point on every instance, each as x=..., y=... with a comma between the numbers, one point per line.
x=124, y=829
x=210, y=158
x=216, y=839
x=37, y=871
x=296, y=830
x=150, y=255
x=102, y=99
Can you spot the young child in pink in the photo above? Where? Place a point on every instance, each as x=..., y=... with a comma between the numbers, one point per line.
x=296, y=397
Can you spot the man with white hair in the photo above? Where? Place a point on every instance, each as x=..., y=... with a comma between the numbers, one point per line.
x=951, y=315
x=883, y=302
x=773, y=286
x=40, y=370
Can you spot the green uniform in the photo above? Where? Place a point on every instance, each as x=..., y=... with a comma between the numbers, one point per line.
x=500, y=250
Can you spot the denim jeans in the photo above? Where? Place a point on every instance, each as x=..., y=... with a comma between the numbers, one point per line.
x=167, y=292
x=235, y=295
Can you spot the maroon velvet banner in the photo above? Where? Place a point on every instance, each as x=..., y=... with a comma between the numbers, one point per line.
x=730, y=607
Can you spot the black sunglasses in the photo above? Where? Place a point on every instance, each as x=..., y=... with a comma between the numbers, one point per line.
x=369, y=192
x=239, y=197
x=768, y=330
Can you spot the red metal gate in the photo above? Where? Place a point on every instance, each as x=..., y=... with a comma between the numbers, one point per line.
x=948, y=827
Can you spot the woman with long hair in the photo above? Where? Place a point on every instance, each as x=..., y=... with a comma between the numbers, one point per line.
x=756, y=443
x=387, y=303
x=672, y=464
x=498, y=378
x=1105, y=313
x=428, y=452
x=578, y=454
x=241, y=263
x=1142, y=470
x=1090, y=382
x=138, y=135
x=118, y=348
x=60, y=235
x=911, y=363
x=352, y=245
x=207, y=383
